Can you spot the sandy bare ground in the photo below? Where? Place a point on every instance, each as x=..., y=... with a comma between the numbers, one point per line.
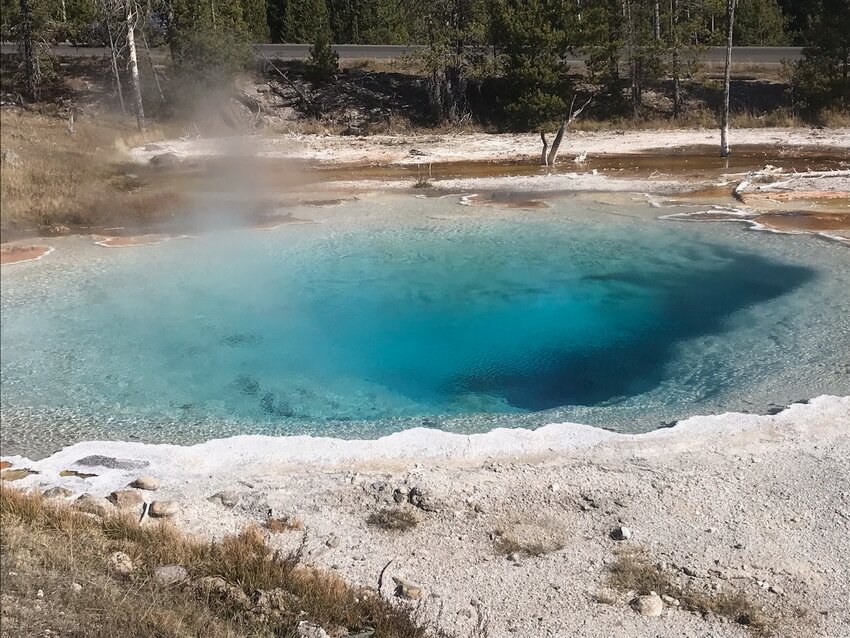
x=757, y=505
x=452, y=147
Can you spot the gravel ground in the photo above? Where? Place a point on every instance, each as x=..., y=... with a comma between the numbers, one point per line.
x=728, y=504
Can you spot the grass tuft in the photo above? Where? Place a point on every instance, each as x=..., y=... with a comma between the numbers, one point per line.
x=284, y=524
x=49, y=546
x=397, y=519
x=634, y=572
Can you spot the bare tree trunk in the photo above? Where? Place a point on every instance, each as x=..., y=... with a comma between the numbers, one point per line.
x=114, y=55
x=544, y=157
x=657, y=20
x=134, y=65
x=32, y=75
x=724, y=116
x=674, y=35
x=64, y=13
x=571, y=116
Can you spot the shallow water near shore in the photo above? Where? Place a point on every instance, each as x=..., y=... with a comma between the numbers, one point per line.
x=395, y=312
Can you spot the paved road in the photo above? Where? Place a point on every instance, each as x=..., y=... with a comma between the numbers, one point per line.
x=765, y=56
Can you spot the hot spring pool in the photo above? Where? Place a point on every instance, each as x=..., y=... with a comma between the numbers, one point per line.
x=397, y=312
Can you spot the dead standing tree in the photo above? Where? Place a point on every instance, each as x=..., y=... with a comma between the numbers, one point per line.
x=550, y=155
x=724, y=116
x=108, y=8
x=132, y=13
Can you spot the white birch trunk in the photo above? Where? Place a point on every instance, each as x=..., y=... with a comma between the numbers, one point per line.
x=134, y=65
x=724, y=116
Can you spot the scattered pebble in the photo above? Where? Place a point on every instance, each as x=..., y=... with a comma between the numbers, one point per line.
x=227, y=498
x=146, y=483
x=163, y=509
x=650, y=606
x=621, y=533
x=126, y=499
x=168, y=575
x=407, y=590
x=309, y=630
x=91, y=504
x=57, y=492
x=120, y=563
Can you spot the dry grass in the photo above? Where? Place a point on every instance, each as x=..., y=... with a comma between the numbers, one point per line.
x=633, y=571
x=59, y=178
x=48, y=547
x=284, y=524
x=396, y=519
x=525, y=540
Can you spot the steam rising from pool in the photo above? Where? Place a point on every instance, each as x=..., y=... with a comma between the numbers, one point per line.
x=357, y=329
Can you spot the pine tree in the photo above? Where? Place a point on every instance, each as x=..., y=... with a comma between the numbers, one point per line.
x=256, y=21
x=323, y=59
x=760, y=23
x=455, y=36
x=532, y=38
x=209, y=40
x=822, y=76
x=299, y=20
x=601, y=32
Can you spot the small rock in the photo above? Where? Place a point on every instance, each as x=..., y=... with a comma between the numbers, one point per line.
x=407, y=590
x=168, y=575
x=126, y=499
x=227, y=498
x=58, y=229
x=649, y=606
x=514, y=557
x=274, y=600
x=211, y=585
x=690, y=571
x=164, y=159
x=215, y=587
x=423, y=499
x=5, y=465
x=333, y=541
x=120, y=563
x=670, y=600
x=93, y=505
x=400, y=495
x=39, y=593
x=621, y=533
x=57, y=492
x=8, y=157
x=776, y=589
x=555, y=487
x=146, y=483
x=163, y=509
x=76, y=588
x=309, y=630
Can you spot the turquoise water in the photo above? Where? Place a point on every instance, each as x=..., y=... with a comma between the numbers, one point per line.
x=387, y=316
